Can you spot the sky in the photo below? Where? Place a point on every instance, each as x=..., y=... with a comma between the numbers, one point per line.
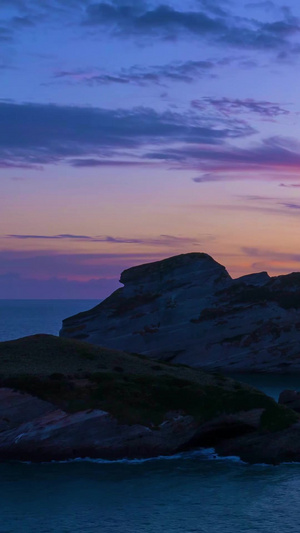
x=134, y=130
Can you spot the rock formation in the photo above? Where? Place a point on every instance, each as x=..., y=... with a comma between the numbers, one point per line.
x=62, y=399
x=187, y=309
x=58, y=435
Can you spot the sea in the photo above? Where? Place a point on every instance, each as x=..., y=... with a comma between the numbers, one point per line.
x=195, y=492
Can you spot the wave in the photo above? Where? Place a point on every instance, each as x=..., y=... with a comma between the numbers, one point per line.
x=206, y=454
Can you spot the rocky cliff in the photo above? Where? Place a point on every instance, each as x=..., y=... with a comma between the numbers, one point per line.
x=62, y=399
x=187, y=309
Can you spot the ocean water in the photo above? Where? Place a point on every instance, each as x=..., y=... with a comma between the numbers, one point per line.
x=19, y=318
x=188, y=493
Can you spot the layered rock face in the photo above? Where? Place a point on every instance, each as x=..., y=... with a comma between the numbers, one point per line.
x=34, y=430
x=187, y=309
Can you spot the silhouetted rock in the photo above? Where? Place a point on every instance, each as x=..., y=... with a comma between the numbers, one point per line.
x=187, y=309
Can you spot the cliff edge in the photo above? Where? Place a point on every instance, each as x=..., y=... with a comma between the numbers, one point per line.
x=187, y=309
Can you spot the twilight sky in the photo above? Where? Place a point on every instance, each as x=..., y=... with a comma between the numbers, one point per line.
x=133, y=130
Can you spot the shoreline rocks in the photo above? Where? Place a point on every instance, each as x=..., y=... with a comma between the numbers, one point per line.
x=63, y=399
x=58, y=436
x=96, y=434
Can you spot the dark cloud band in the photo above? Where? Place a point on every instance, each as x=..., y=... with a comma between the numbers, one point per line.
x=41, y=134
x=168, y=22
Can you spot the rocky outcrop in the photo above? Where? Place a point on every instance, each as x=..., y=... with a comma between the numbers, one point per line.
x=45, y=433
x=187, y=309
x=62, y=399
x=17, y=408
x=267, y=448
x=57, y=435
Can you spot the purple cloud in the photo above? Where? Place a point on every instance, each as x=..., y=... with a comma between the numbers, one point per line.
x=290, y=205
x=10, y=164
x=161, y=240
x=275, y=156
x=92, y=163
x=273, y=255
x=56, y=133
x=186, y=72
x=169, y=22
x=236, y=106
x=209, y=178
x=290, y=185
x=208, y=21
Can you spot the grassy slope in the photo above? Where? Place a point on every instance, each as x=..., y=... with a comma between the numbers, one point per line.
x=75, y=375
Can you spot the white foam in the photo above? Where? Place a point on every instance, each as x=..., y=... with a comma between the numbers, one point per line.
x=211, y=455
x=206, y=454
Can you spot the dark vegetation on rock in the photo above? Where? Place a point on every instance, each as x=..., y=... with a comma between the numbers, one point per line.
x=75, y=376
x=87, y=400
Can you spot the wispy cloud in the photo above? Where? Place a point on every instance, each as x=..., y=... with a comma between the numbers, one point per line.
x=290, y=185
x=290, y=205
x=237, y=106
x=273, y=255
x=276, y=158
x=93, y=163
x=25, y=166
x=187, y=72
x=209, y=178
x=275, y=262
x=161, y=240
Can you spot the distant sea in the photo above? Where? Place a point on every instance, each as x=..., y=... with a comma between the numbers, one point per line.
x=188, y=493
x=19, y=318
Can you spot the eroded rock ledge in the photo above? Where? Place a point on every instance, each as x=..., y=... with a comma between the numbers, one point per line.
x=39, y=431
x=187, y=309
x=62, y=399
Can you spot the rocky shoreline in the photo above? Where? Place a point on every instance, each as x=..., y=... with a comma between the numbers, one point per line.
x=62, y=398
x=112, y=405
x=55, y=435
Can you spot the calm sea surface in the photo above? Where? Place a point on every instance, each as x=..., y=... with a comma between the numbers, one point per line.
x=191, y=493
x=19, y=318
